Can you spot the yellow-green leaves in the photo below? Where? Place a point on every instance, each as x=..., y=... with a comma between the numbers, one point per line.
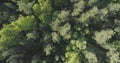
x=73, y=49
x=43, y=10
x=72, y=57
x=26, y=23
x=76, y=45
x=10, y=33
x=36, y=9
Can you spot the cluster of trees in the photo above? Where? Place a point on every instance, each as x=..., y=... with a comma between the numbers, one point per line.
x=59, y=31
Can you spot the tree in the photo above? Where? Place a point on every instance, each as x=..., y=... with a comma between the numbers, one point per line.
x=60, y=31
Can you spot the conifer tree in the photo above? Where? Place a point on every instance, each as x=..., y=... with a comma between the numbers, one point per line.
x=60, y=31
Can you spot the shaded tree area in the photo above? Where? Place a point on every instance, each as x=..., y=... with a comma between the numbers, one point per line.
x=59, y=31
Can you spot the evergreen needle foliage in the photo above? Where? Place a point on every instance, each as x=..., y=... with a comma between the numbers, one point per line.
x=60, y=31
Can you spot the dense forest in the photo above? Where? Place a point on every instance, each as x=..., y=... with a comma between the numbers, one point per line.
x=59, y=31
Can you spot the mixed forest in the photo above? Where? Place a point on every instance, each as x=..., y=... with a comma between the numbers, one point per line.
x=59, y=31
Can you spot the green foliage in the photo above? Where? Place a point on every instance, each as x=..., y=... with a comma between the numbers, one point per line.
x=64, y=30
x=60, y=31
x=55, y=37
x=25, y=7
x=7, y=13
x=78, y=8
x=91, y=57
x=25, y=1
x=57, y=3
x=10, y=33
x=73, y=57
x=102, y=36
x=43, y=10
x=73, y=49
x=32, y=35
x=47, y=49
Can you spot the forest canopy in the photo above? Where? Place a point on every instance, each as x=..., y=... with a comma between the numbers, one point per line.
x=59, y=31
